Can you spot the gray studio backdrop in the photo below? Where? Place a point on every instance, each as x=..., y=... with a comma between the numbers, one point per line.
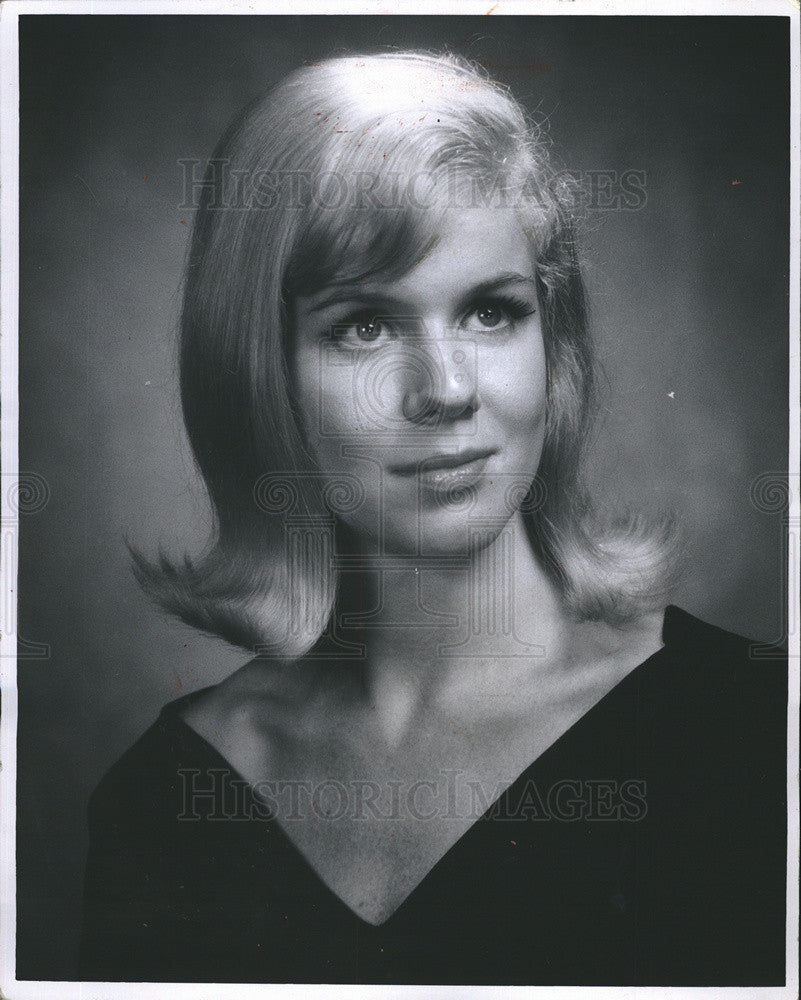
x=688, y=284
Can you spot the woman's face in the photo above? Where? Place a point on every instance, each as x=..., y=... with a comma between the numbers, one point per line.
x=426, y=394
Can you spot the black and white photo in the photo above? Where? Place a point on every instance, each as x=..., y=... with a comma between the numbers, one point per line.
x=400, y=498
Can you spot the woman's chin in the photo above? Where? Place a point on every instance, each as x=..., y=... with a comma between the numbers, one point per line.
x=451, y=528
x=442, y=536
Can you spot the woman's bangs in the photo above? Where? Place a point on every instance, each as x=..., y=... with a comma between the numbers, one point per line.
x=360, y=224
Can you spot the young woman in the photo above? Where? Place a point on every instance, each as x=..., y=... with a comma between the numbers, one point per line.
x=474, y=745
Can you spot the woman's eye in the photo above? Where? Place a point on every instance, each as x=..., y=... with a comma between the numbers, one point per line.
x=361, y=330
x=496, y=314
x=367, y=330
x=490, y=315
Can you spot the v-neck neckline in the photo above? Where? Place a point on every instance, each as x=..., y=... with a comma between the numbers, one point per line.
x=171, y=712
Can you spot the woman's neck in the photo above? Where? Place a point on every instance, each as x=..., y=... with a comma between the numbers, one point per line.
x=450, y=632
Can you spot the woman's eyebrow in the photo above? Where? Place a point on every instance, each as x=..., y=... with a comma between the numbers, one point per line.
x=498, y=282
x=384, y=297
x=355, y=293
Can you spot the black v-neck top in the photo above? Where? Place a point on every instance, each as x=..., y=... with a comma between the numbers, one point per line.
x=646, y=846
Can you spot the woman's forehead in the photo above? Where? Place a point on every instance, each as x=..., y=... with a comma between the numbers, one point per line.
x=390, y=232
x=469, y=245
x=469, y=248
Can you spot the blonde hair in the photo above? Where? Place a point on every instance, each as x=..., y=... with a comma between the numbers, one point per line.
x=322, y=181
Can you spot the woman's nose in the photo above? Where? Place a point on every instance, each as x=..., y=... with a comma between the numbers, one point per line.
x=442, y=382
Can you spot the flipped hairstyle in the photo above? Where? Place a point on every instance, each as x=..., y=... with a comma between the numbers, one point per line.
x=318, y=182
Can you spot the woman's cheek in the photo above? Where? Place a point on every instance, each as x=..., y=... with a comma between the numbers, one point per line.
x=515, y=385
x=325, y=402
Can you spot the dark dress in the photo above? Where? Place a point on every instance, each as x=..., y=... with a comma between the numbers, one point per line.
x=645, y=847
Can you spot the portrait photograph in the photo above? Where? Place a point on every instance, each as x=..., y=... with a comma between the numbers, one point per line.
x=401, y=504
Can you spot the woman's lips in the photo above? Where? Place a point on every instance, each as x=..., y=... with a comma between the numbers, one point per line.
x=442, y=473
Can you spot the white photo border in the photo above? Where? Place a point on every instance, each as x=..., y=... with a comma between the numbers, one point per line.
x=15, y=989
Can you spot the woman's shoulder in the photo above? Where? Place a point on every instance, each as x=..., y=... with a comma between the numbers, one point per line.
x=164, y=874
x=701, y=656
x=216, y=730
x=713, y=702
x=147, y=780
x=701, y=679
x=683, y=627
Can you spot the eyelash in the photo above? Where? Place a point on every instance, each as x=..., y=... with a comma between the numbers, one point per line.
x=515, y=309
